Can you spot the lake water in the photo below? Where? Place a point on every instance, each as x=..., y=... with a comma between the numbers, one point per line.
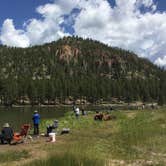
x=18, y=116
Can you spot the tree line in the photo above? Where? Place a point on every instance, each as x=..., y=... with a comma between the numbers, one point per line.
x=76, y=68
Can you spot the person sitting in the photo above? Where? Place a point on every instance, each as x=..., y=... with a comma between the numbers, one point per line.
x=98, y=116
x=107, y=117
x=7, y=134
x=51, y=127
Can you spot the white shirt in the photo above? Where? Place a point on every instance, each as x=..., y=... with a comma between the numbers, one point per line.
x=77, y=111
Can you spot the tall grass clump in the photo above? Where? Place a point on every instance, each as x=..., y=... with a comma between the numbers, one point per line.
x=80, y=153
x=67, y=160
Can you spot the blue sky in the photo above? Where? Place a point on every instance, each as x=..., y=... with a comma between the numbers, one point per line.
x=19, y=10
x=136, y=25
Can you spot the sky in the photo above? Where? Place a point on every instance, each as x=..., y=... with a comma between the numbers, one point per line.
x=135, y=25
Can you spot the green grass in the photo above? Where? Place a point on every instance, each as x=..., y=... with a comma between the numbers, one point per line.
x=67, y=159
x=13, y=156
x=133, y=136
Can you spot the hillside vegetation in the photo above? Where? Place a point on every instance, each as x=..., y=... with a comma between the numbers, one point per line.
x=74, y=68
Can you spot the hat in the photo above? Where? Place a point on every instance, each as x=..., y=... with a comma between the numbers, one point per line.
x=6, y=125
x=35, y=111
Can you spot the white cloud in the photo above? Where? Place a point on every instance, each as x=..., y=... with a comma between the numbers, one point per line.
x=124, y=25
x=12, y=37
x=161, y=61
x=39, y=31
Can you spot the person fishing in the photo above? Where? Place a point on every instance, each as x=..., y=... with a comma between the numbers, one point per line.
x=36, y=122
x=52, y=127
x=77, y=112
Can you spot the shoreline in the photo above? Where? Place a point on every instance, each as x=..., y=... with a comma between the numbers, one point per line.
x=109, y=106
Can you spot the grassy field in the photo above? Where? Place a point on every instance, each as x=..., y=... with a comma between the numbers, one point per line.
x=133, y=138
x=13, y=156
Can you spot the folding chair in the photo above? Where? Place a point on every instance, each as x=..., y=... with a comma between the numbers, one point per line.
x=22, y=135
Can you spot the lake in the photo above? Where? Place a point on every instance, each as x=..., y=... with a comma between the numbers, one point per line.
x=20, y=115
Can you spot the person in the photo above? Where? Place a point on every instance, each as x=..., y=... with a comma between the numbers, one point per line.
x=55, y=124
x=7, y=134
x=143, y=106
x=83, y=111
x=98, y=116
x=77, y=112
x=36, y=121
x=152, y=106
x=74, y=107
x=111, y=109
x=51, y=127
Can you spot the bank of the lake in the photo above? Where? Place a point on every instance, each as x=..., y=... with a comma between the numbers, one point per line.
x=134, y=138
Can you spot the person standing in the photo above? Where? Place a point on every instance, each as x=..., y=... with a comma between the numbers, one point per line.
x=74, y=107
x=83, y=110
x=36, y=121
x=77, y=112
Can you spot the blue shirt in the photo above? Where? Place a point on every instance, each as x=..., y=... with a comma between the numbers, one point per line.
x=36, y=118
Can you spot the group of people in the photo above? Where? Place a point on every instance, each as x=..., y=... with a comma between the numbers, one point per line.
x=76, y=111
x=100, y=116
x=7, y=133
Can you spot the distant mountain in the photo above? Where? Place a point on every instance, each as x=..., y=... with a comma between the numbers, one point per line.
x=74, y=68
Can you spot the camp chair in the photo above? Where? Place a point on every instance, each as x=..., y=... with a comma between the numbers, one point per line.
x=22, y=135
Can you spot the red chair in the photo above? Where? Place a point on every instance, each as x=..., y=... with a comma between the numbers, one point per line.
x=21, y=136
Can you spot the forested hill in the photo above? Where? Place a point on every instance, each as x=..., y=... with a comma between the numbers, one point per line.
x=75, y=68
